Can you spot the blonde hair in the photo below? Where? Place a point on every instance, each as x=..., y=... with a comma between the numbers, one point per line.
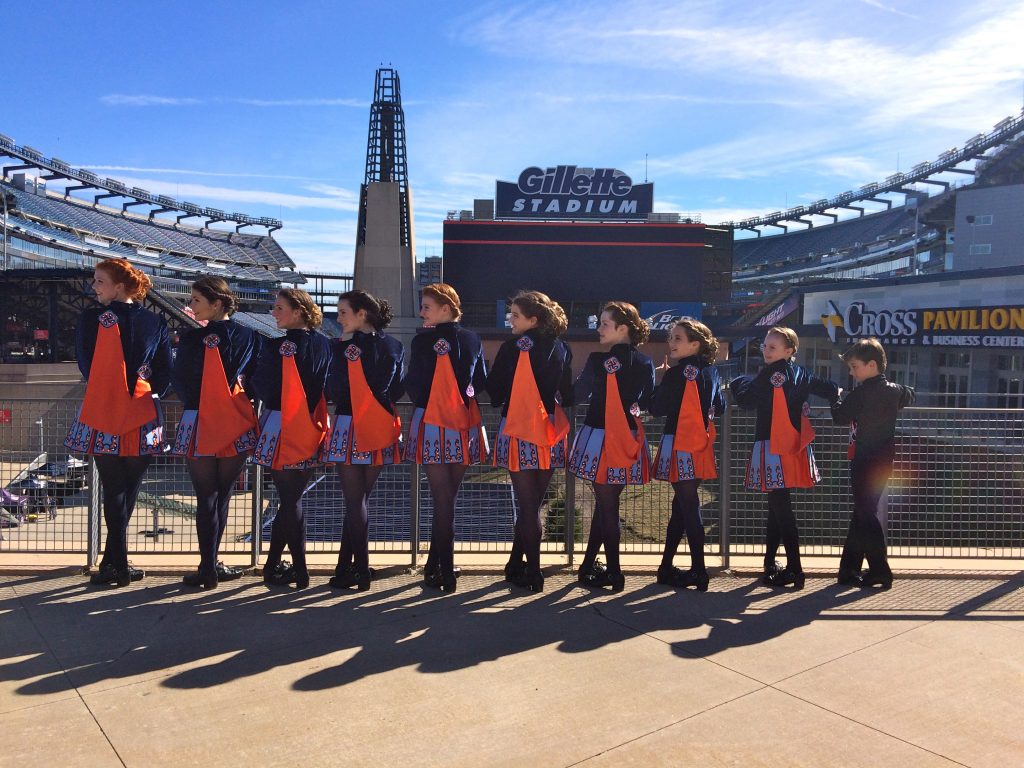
x=550, y=315
x=298, y=299
x=624, y=313
x=788, y=336
x=135, y=281
x=696, y=331
x=444, y=295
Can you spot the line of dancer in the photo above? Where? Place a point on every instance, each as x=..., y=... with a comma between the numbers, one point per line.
x=224, y=374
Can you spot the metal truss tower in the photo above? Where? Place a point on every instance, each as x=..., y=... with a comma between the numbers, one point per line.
x=385, y=244
x=386, y=159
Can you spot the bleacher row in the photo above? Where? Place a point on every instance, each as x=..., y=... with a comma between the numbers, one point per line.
x=780, y=249
x=245, y=256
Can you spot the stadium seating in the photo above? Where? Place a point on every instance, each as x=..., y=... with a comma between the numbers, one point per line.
x=773, y=250
x=234, y=249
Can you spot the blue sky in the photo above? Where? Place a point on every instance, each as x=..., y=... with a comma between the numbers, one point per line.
x=741, y=108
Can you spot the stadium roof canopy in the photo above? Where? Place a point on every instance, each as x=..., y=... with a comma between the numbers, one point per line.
x=1004, y=132
x=55, y=168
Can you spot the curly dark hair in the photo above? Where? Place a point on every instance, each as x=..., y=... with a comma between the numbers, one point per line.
x=624, y=313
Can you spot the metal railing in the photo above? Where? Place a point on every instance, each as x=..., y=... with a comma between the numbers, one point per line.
x=957, y=491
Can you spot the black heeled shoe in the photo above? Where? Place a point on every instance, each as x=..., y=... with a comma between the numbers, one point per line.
x=199, y=579
x=449, y=582
x=670, y=576
x=514, y=571
x=593, y=579
x=432, y=579
x=872, y=580
x=616, y=580
x=348, y=579
x=227, y=572
x=276, y=575
x=698, y=579
x=786, y=578
x=531, y=580
x=770, y=571
x=849, y=578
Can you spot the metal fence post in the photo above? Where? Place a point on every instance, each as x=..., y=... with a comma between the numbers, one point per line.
x=725, y=488
x=570, y=494
x=93, y=518
x=414, y=514
x=257, y=515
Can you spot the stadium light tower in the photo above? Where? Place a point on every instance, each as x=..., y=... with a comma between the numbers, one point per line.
x=385, y=261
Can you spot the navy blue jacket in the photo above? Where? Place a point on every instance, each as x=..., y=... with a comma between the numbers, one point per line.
x=635, y=380
x=467, y=361
x=873, y=406
x=757, y=392
x=551, y=360
x=312, y=359
x=382, y=357
x=239, y=347
x=668, y=396
x=144, y=342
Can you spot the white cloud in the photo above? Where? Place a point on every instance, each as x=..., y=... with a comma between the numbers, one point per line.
x=191, y=172
x=362, y=104
x=147, y=100
x=150, y=100
x=202, y=193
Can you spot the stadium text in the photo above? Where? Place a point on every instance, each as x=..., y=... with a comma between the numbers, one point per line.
x=567, y=191
x=932, y=326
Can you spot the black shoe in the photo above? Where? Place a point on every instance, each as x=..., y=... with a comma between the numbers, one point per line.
x=770, y=571
x=106, y=574
x=786, y=578
x=227, y=572
x=531, y=580
x=276, y=574
x=617, y=581
x=299, y=578
x=124, y=576
x=699, y=579
x=514, y=571
x=432, y=579
x=670, y=576
x=199, y=579
x=448, y=582
x=593, y=579
x=358, y=579
x=872, y=580
x=849, y=578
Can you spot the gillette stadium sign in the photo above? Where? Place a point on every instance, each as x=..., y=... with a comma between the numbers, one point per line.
x=570, y=192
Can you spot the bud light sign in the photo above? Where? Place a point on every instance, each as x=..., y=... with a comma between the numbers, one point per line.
x=569, y=192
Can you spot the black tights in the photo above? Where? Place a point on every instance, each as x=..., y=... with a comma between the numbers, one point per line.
x=213, y=479
x=289, y=526
x=685, y=519
x=530, y=485
x=605, y=527
x=121, y=477
x=782, y=527
x=444, y=481
x=356, y=484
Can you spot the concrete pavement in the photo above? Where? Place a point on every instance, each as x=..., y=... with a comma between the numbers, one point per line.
x=930, y=673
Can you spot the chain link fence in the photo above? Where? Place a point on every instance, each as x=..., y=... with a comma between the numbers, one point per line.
x=957, y=491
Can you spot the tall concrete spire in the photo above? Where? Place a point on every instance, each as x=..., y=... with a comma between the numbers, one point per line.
x=385, y=262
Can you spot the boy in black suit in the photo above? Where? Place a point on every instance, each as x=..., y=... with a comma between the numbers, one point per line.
x=870, y=409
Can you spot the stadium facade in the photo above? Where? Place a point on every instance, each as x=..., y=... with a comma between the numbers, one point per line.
x=583, y=236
